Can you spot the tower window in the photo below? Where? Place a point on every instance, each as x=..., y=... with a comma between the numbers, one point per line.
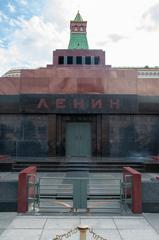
x=61, y=60
x=96, y=60
x=69, y=60
x=87, y=60
x=78, y=60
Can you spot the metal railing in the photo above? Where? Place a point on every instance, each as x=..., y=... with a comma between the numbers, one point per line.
x=74, y=195
x=104, y=194
x=53, y=194
x=126, y=192
x=31, y=191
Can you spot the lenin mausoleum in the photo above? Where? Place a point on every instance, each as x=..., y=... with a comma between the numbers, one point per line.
x=78, y=106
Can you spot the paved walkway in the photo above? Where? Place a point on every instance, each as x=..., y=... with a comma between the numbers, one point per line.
x=143, y=227
x=39, y=227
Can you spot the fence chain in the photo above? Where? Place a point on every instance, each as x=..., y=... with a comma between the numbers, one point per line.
x=75, y=230
x=66, y=235
x=96, y=236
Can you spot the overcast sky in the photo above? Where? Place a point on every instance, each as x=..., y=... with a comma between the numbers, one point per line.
x=128, y=30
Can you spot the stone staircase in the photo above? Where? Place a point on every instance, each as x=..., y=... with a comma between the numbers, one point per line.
x=77, y=164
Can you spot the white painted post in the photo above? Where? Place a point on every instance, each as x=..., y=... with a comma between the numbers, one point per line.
x=83, y=231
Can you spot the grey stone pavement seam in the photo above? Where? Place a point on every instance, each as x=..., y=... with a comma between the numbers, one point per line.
x=43, y=229
x=147, y=220
x=117, y=229
x=5, y=220
x=121, y=226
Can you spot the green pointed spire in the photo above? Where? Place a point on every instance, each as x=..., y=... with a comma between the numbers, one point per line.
x=78, y=41
x=78, y=17
x=78, y=35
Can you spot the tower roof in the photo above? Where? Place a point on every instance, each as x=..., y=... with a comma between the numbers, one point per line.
x=78, y=34
x=78, y=17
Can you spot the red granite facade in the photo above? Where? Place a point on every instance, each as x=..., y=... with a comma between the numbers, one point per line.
x=77, y=79
x=120, y=105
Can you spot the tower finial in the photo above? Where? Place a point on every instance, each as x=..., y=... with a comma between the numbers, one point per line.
x=78, y=17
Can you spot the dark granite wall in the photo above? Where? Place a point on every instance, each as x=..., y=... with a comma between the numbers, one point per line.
x=33, y=139
x=133, y=135
x=42, y=135
x=24, y=135
x=10, y=125
x=9, y=195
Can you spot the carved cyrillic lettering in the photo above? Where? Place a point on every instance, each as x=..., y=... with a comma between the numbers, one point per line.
x=97, y=104
x=114, y=104
x=78, y=103
x=60, y=103
x=43, y=104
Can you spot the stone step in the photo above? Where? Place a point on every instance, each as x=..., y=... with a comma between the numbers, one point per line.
x=77, y=165
x=91, y=168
